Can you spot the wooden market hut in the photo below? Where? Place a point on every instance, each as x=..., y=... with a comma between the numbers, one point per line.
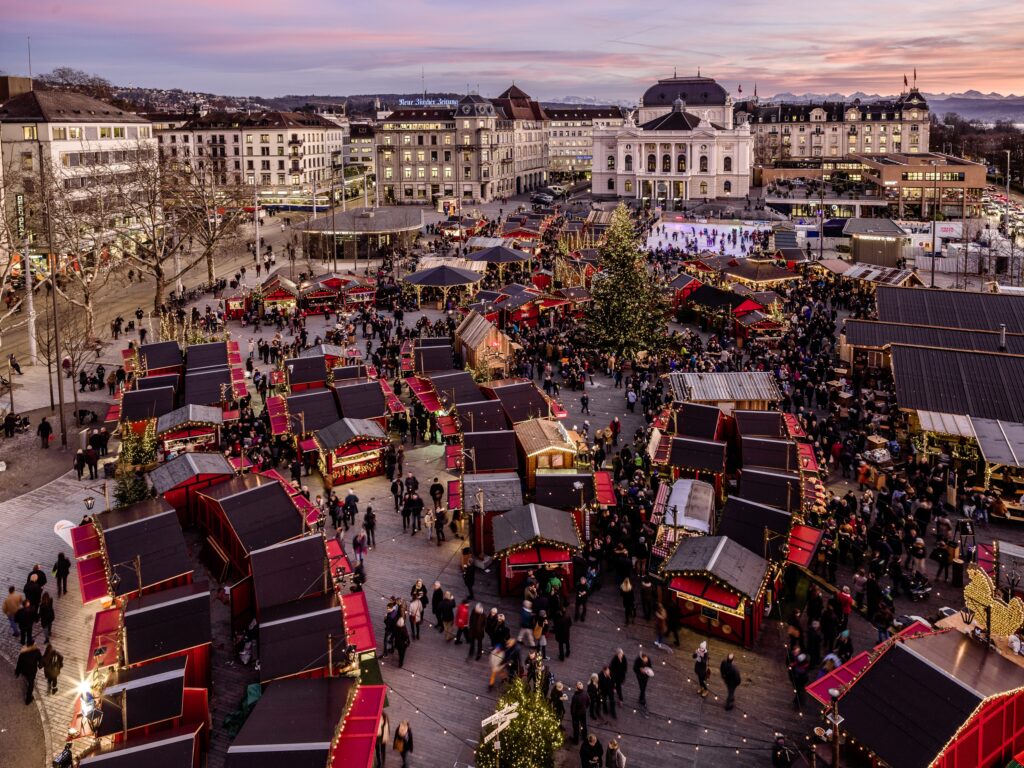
x=170, y=624
x=288, y=571
x=181, y=478
x=481, y=345
x=483, y=497
x=140, y=407
x=189, y=427
x=491, y=451
x=305, y=372
x=761, y=528
x=520, y=398
x=362, y=399
x=442, y=278
x=329, y=721
x=776, y=488
x=237, y=303
x=279, y=293
x=720, y=586
x=748, y=390
x=301, y=638
x=759, y=423
x=432, y=355
x=684, y=508
x=544, y=444
x=159, y=358
x=680, y=287
x=311, y=410
x=532, y=537
x=704, y=422
x=759, y=275
x=246, y=514
x=971, y=717
x=174, y=748
x=677, y=456
x=482, y=415
x=317, y=296
x=769, y=453
x=350, y=449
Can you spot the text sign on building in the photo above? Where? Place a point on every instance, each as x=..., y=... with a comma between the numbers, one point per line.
x=19, y=212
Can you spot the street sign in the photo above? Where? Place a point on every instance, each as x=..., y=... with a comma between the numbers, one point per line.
x=501, y=714
x=19, y=212
x=501, y=727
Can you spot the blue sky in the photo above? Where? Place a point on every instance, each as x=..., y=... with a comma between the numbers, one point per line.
x=602, y=48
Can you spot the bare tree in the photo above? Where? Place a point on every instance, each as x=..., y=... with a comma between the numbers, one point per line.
x=77, y=346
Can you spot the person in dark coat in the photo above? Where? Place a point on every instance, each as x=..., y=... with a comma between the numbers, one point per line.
x=731, y=677
x=701, y=663
x=401, y=641
x=44, y=430
x=619, y=666
x=477, y=628
x=644, y=671
x=563, y=631
x=578, y=712
x=557, y=700
x=29, y=662
x=591, y=752
x=46, y=615
x=26, y=617
x=53, y=663
x=403, y=741
x=606, y=685
x=79, y=463
x=436, y=598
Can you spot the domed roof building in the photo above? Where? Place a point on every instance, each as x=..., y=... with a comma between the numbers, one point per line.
x=681, y=144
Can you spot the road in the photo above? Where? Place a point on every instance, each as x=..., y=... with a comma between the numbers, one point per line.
x=21, y=730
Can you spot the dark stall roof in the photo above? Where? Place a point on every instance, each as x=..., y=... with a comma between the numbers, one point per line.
x=1001, y=442
x=936, y=682
x=162, y=354
x=721, y=557
x=153, y=693
x=150, y=531
x=345, y=430
x=433, y=358
x=534, y=523
x=361, y=399
x=431, y=341
x=682, y=280
x=705, y=455
x=455, y=387
x=950, y=309
x=166, y=749
x=211, y=355
x=522, y=401
x=324, y=350
x=288, y=571
x=775, y=488
x=189, y=414
x=716, y=298
x=208, y=386
x=187, y=466
x=293, y=636
x=769, y=452
x=483, y=415
x=699, y=420
x=144, y=404
x=950, y=381
x=746, y=523
x=293, y=724
x=501, y=490
x=874, y=334
x=555, y=488
x=162, y=380
x=345, y=372
x=305, y=370
x=759, y=423
x=318, y=409
x=260, y=511
x=760, y=272
x=490, y=451
x=167, y=622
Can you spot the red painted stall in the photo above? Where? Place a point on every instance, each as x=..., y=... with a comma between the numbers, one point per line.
x=530, y=538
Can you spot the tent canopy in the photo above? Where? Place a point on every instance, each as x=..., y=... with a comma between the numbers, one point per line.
x=499, y=254
x=442, y=277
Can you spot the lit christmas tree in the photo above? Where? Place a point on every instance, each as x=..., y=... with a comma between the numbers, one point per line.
x=530, y=740
x=627, y=314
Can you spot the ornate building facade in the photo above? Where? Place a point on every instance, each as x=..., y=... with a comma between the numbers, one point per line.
x=683, y=143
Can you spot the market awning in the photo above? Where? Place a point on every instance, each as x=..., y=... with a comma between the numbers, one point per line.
x=358, y=625
x=704, y=589
x=803, y=543
x=85, y=541
x=946, y=423
x=604, y=492
x=447, y=426
x=838, y=678
x=105, y=639
x=92, y=579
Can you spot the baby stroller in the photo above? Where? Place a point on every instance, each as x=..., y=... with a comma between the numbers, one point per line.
x=919, y=587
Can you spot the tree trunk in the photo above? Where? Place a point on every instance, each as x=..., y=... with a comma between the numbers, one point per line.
x=209, y=266
x=159, y=285
x=74, y=393
x=90, y=315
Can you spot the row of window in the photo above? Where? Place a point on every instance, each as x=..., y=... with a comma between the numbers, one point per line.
x=89, y=132
x=666, y=163
x=702, y=187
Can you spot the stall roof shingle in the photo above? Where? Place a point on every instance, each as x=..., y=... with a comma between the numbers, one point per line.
x=360, y=399
x=150, y=531
x=1001, y=442
x=490, y=451
x=482, y=415
x=746, y=522
x=874, y=334
x=317, y=408
x=210, y=355
x=208, y=386
x=288, y=571
x=724, y=387
x=145, y=404
x=186, y=466
x=191, y=413
x=759, y=423
x=532, y=522
x=704, y=455
x=306, y=369
x=989, y=386
x=260, y=511
x=950, y=309
x=167, y=622
x=294, y=636
x=160, y=354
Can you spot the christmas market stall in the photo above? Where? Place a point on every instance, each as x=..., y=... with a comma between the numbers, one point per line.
x=579, y=491
x=317, y=297
x=520, y=398
x=534, y=538
x=489, y=452
x=684, y=508
x=189, y=428
x=278, y=293
x=350, y=449
x=333, y=354
x=310, y=410
x=971, y=717
x=775, y=488
x=362, y=399
x=500, y=256
x=303, y=637
x=482, y=415
x=305, y=372
x=307, y=723
x=245, y=514
x=1001, y=448
x=158, y=359
x=761, y=528
x=173, y=748
x=716, y=308
x=759, y=275
x=748, y=390
x=178, y=480
x=287, y=572
x=677, y=457
x=544, y=444
x=759, y=424
x=142, y=407
x=720, y=586
x=454, y=387
x=482, y=497
x=432, y=355
x=237, y=304
x=442, y=279
x=170, y=624
x=680, y=287
x=482, y=346
x=704, y=422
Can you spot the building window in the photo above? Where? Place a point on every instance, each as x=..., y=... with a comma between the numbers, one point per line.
x=703, y=165
x=652, y=163
x=118, y=132
x=629, y=162
x=28, y=132
x=727, y=164
x=681, y=163
x=666, y=163
x=611, y=185
x=611, y=162
x=704, y=189
x=59, y=133
x=728, y=187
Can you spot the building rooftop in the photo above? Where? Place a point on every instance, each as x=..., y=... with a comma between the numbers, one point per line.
x=63, y=107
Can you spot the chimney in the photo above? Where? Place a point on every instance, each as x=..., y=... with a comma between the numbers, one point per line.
x=11, y=86
x=1002, y=337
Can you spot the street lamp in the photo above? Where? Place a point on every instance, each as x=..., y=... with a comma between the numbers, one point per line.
x=90, y=502
x=835, y=720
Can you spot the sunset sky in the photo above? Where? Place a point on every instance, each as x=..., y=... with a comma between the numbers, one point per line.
x=609, y=49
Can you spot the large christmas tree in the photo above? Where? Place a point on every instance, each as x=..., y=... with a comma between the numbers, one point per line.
x=627, y=314
x=531, y=740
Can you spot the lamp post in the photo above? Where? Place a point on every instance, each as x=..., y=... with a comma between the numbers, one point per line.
x=835, y=720
x=935, y=207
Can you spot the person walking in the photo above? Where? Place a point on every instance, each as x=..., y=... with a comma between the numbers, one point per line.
x=415, y=614
x=29, y=662
x=61, y=569
x=370, y=526
x=26, y=617
x=403, y=741
x=578, y=708
x=613, y=757
x=644, y=671
x=53, y=663
x=79, y=463
x=563, y=631
x=402, y=641
x=628, y=599
x=606, y=686
x=477, y=629
x=44, y=431
x=619, y=666
x=732, y=679
x=12, y=603
x=46, y=615
x=701, y=662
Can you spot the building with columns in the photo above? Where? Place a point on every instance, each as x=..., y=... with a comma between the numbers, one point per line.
x=682, y=144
